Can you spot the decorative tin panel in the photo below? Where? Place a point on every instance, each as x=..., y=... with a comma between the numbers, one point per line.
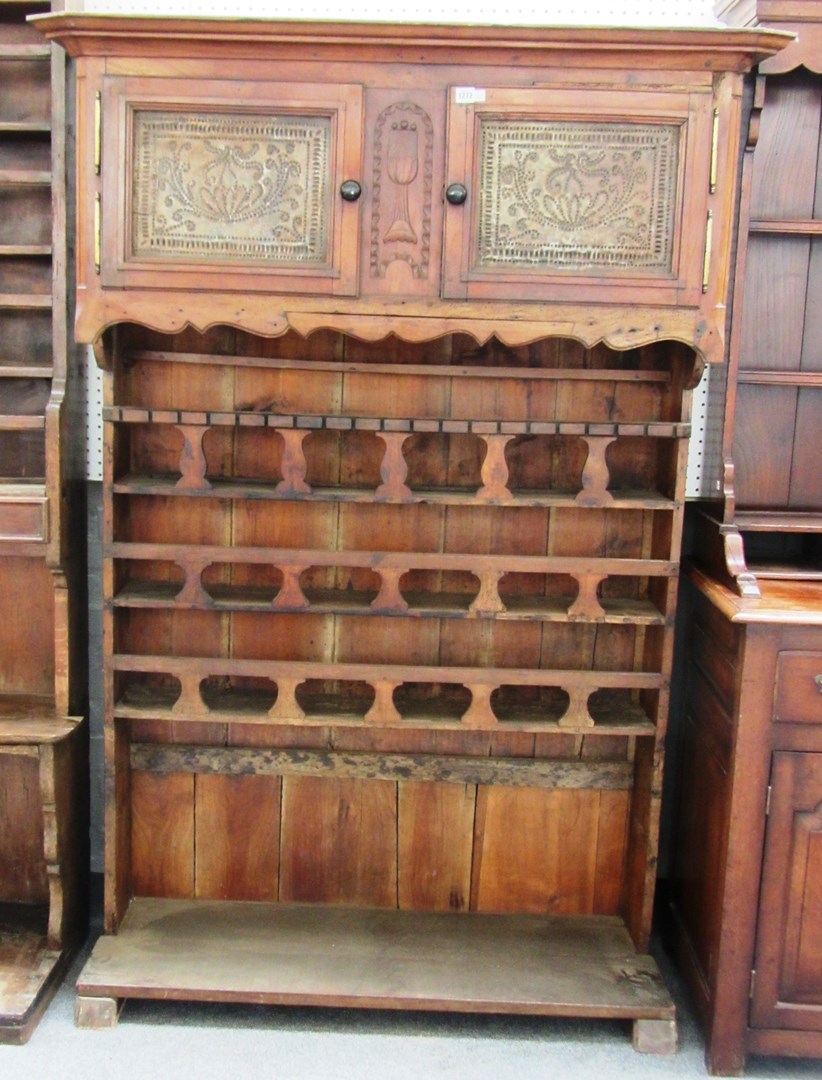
x=576, y=196
x=231, y=186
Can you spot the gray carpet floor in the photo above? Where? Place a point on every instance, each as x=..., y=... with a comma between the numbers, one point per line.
x=172, y=1041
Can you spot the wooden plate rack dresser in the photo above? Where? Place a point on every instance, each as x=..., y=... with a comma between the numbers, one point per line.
x=398, y=326
x=43, y=749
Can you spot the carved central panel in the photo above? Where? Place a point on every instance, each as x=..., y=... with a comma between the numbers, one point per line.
x=231, y=186
x=576, y=196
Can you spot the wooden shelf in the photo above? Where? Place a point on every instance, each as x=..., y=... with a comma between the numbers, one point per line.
x=513, y=370
x=787, y=227
x=574, y=709
x=159, y=595
x=375, y=958
x=35, y=127
x=234, y=489
x=22, y=423
x=777, y=520
x=26, y=301
x=25, y=177
x=10, y=370
x=29, y=969
x=34, y=250
x=32, y=720
x=417, y=425
x=781, y=378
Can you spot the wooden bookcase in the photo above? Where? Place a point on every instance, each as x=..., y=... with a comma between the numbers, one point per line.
x=42, y=797
x=770, y=519
x=396, y=406
x=747, y=877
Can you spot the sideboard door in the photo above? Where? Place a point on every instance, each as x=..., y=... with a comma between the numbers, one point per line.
x=788, y=986
x=216, y=185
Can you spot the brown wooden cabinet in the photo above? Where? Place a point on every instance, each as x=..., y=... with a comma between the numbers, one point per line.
x=748, y=852
x=391, y=556
x=42, y=794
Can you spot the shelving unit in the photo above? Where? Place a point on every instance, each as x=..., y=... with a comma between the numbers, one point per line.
x=392, y=514
x=771, y=518
x=42, y=811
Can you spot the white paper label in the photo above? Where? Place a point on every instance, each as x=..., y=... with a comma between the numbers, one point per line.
x=468, y=95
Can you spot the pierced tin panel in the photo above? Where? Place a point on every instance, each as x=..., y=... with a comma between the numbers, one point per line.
x=231, y=186
x=576, y=196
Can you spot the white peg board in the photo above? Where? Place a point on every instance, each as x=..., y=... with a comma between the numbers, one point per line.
x=525, y=13
x=704, y=456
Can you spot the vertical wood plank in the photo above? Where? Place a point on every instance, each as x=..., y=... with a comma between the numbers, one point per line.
x=611, y=846
x=436, y=825
x=162, y=834
x=339, y=841
x=535, y=851
x=237, y=837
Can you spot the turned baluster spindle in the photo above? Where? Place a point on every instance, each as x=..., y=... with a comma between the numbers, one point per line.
x=190, y=700
x=595, y=473
x=383, y=710
x=494, y=470
x=291, y=595
x=286, y=707
x=480, y=713
x=389, y=598
x=393, y=468
x=587, y=604
x=293, y=465
x=488, y=600
x=193, y=593
x=192, y=459
x=577, y=715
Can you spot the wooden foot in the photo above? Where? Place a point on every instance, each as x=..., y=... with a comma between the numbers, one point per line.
x=96, y=1012
x=655, y=1037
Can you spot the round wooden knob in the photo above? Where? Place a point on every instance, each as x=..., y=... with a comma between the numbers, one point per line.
x=350, y=190
x=456, y=194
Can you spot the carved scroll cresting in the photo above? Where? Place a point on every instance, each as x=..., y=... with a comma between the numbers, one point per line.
x=403, y=169
x=231, y=186
x=577, y=196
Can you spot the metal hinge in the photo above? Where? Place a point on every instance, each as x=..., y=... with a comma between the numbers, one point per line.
x=752, y=985
x=706, y=264
x=98, y=132
x=98, y=240
x=768, y=794
x=714, y=152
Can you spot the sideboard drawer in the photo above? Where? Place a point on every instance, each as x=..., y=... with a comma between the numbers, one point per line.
x=798, y=698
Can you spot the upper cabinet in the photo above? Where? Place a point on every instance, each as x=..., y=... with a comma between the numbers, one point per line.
x=415, y=171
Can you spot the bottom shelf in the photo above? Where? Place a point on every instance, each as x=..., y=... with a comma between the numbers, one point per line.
x=374, y=958
x=29, y=970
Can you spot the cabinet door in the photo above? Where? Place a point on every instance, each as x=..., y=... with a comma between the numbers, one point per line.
x=788, y=989
x=230, y=186
x=578, y=195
